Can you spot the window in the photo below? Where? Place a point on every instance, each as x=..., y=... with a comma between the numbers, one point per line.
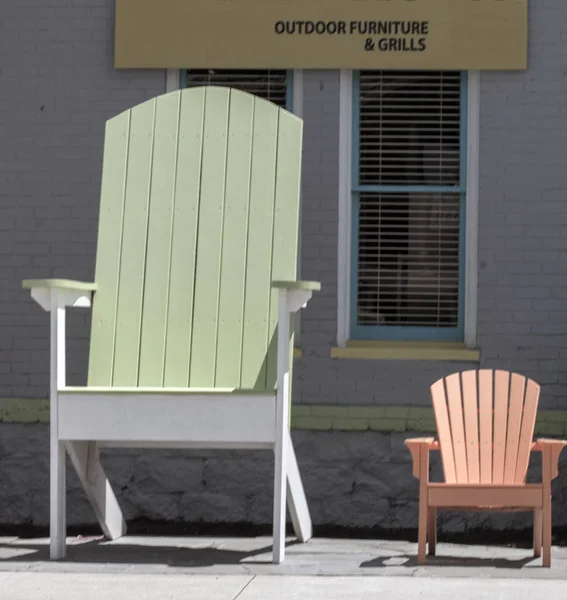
x=270, y=84
x=408, y=199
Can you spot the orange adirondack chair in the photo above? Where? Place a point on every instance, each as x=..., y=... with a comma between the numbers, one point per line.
x=485, y=423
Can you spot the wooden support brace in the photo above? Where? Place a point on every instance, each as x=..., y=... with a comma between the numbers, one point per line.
x=298, y=507
x=85, y=458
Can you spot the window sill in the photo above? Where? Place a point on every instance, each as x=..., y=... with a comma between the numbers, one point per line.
x=373, y=350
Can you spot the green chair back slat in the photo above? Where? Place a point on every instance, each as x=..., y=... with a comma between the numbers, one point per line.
x=234, y=241
x=134, y=242
x=184, y=240
x=103, y=327
x=160, y=222
x=260, y=234
x=199, y=214
x=209, y=241
x=288, y=171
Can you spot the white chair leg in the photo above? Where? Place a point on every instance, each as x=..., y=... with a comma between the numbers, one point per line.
x=281, y=429
x=57, y=524
x=57, y=488
x=298, y=506
x=280, y=489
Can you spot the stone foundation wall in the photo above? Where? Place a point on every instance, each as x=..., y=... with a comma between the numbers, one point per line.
x=352, y=479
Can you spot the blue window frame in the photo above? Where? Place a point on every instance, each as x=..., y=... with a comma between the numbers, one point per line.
x=275, y=85
x=408, y=202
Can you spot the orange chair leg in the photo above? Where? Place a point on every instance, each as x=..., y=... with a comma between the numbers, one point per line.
x=538, y=530
x=546, y=508
x=546, y=529
x=422, y=532
x=423, y=505
x=432, y=531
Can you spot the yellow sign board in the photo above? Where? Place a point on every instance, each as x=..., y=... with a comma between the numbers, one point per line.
x=322, y=34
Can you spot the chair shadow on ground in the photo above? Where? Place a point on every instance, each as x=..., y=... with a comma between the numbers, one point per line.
x=97, y=551
x=410, y=561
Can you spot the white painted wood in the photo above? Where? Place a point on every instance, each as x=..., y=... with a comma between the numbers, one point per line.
x=162, y=417
x=298, y=507
x=345, y=207
x=472, y=201
x=61, y=297
x=171, y=80
x=57, y=501
x=86, y=460
x=297, y=299
x=298, y=110
x=218, y=445
x=84, y=421
x=74, y=299
x=57, y=520
x=43, y=297
x=59, y=372
x=282, y=420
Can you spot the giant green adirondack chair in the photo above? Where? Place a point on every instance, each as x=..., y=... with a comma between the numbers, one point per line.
x=194, y=290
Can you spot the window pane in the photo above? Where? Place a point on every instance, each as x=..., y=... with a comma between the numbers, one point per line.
x=409, y=129
x=408, y=259
x=267, y=83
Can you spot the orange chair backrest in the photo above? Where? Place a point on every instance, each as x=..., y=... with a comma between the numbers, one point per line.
x=485, y=423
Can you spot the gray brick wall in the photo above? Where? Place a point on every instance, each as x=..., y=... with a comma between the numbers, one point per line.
x=58, y=87
x=320, y=380
x=522, y=292
x=319, y=209
x=522, y=322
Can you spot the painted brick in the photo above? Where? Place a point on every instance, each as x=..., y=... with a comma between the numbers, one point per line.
x=312, y=423
x=552, y=416
x=554, y=429
x=58, y=89
x=388, y=425
x=356, y=418
x=522, y=241
x=301, y=411
x=397, y=412
x=336, y=412
x=422, y=426
x=350, y=424
x=421, y=413
x=357, y=412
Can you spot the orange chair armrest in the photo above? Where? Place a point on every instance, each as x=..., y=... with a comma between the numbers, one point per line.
x=541, y=442
x=432, y=443
x=417, y=446
x=551, y=448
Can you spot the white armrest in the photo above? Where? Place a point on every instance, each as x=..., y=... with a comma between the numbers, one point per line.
x=298, y=292
x=66, y=291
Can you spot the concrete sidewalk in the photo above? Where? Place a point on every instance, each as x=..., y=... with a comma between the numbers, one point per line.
x=140, y=568
x=100, y=586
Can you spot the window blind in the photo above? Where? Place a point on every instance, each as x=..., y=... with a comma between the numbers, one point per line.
x=269, y=84
x=408, y=199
